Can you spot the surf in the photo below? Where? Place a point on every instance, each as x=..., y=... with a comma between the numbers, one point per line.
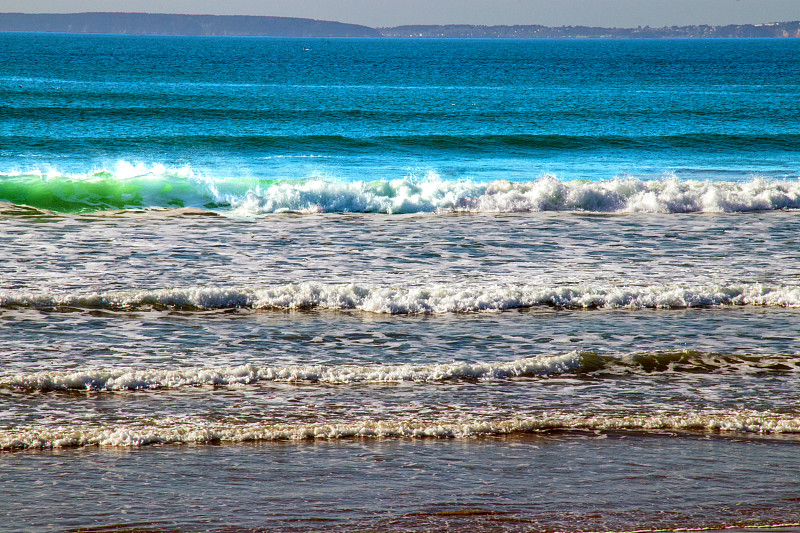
x=195, y=430
x=570, y=363
x=136, y=186
x=434, y=299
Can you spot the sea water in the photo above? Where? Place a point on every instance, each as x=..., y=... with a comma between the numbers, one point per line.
x=256, y=284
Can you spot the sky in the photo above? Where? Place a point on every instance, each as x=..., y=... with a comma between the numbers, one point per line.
x=383, y=13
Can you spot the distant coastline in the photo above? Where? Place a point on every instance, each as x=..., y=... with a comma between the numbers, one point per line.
x=243, y=25
x=770, y=30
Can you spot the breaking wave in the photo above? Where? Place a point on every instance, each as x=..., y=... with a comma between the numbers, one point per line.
x=141, y=187
x=188, y=430
x=412, y=300
x=573, y=362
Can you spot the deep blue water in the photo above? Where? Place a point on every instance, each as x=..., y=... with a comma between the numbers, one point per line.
x=363, y=109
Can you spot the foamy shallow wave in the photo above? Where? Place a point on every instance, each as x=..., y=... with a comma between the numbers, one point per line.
x=413, y=300
x=198, y=431
x=131, y=186
x=119, y=379
x=127, y=379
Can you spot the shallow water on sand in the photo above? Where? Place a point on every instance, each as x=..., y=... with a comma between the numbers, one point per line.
x=522, y=483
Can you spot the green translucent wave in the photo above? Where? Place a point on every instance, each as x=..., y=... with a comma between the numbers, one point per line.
x=104, y=191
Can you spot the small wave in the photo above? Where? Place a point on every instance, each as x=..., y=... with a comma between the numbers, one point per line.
x=198, y=431
x=529, y=145
x=580, y=362
x=140, y=187
x=412, y=300
x=125, y=379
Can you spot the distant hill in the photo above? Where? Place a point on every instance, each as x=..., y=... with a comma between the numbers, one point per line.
x=154, y=24
x=242, y=25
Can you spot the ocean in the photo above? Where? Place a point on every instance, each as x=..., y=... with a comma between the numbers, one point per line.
x=274, y=284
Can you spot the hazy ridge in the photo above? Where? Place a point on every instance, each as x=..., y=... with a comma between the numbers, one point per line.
x=162, y=24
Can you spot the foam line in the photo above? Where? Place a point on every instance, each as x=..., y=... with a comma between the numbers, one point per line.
x=197, y=431
x=120, y=379
x=414, y=300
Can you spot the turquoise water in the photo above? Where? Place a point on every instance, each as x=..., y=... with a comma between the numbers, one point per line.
x=256, y=284
x=201, y=114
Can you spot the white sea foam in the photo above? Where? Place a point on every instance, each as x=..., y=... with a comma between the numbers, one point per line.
x=119, y=379
x=432, y=299
x=130, y=379
x=544, y=194
x=187, y=430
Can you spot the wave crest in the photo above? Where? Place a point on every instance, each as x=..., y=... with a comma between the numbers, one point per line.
x=413, y=300
x=544, y=194
x=127, y=379
x=197, y=431
x=142, y=187
x=578, y=362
